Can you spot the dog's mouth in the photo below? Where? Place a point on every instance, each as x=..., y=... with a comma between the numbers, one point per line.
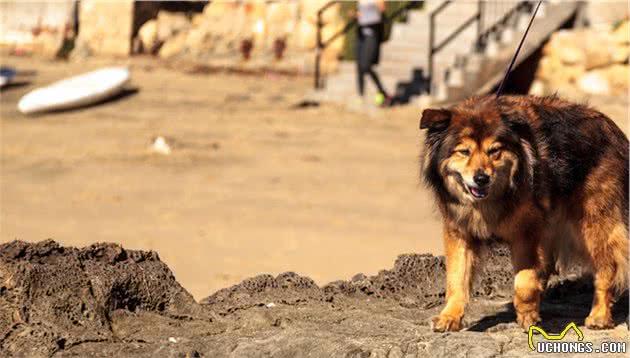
x=478, y=192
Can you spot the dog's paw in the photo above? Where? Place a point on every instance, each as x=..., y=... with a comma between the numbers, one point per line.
x=599, y=322
x=446, y=323
x=527, y=319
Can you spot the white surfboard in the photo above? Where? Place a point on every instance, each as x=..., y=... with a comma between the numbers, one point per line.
x=76, y=91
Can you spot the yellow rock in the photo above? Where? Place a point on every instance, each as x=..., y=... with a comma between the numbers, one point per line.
x=620, y=54
x=598, y=48
x=173, y=46
x=218, y=8
x=618, y=78
x=197, y=19
x=547, y=67
x=595, y=82
x=537, y=88
x=622, y=33
x=571, y=55
x=148, y=34
x=199, y=40
x=170, y=24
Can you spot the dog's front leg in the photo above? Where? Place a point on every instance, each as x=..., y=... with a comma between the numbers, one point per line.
x=529, y=280
x=460, y=257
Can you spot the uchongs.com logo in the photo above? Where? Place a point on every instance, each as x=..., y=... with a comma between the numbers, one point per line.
x=553, y=343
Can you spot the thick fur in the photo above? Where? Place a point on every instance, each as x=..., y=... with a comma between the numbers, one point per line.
x=558, y=194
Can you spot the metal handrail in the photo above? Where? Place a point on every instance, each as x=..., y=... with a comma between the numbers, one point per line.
x=482, y=34
x=478, y=17
x=433, y=49
x=321, y=45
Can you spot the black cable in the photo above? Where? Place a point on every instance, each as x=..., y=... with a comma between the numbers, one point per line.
x=507, y=73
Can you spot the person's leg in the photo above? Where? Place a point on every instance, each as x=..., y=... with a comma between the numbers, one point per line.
x=371, y=43
x=377, y=81
x=360, y=79
x=361, y=64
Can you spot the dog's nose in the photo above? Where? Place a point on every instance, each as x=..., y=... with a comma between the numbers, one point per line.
x=481, y=179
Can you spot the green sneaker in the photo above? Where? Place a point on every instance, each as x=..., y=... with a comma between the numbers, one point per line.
x=379, y=99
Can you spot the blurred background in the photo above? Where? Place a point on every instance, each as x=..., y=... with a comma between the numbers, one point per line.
x=240, y=146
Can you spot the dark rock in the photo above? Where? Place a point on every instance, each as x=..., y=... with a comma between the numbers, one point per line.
x=55, y=297
x=103, y=300
x=416, y=281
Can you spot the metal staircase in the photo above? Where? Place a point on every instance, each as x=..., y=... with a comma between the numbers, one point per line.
x=452, y=49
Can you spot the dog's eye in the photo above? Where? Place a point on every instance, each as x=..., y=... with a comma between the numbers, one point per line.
x=493, y=150
x=464, y=152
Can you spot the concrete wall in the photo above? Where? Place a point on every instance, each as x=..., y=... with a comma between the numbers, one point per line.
x=35, y=26
x=105, y=27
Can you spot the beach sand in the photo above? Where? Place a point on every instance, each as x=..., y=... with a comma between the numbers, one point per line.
x=252, y=185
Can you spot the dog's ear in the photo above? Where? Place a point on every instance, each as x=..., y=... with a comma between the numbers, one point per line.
x=519, y=126
x=436, y=119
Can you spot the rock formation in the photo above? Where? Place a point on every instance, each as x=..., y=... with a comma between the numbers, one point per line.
x=103, y=300
x=591, y=61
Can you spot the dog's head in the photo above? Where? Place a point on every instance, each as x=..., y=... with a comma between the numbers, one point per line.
x=474, y=151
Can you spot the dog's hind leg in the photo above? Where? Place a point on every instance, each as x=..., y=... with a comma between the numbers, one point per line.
x=604, y=230
x=461, y=253
x=608, y=249
x=601, y=316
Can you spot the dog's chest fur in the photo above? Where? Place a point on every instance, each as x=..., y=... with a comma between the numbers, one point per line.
x=480, y=221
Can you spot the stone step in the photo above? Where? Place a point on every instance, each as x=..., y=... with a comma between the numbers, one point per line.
x=422, y=43
x=405, y=56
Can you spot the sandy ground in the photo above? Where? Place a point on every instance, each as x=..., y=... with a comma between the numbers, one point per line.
x=252, y=186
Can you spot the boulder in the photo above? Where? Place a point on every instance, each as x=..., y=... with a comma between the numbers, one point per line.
x=198, y=40
x=618, y=78
x=571, y=55
x=170, y=24
x=611, y=80
x=594, y=82
x=148, y=34
x=217, y=9
x=621, y=33
x=620, y=54
x=221, y=28
x=599, y=47
x=537, y=88
x=174, y=46
x=559, y=39
x=593, y=61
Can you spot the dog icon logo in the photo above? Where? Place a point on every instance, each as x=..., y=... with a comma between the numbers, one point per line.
x=552, y=337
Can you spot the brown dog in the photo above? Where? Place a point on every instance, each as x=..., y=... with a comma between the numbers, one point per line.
x=545, y=175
